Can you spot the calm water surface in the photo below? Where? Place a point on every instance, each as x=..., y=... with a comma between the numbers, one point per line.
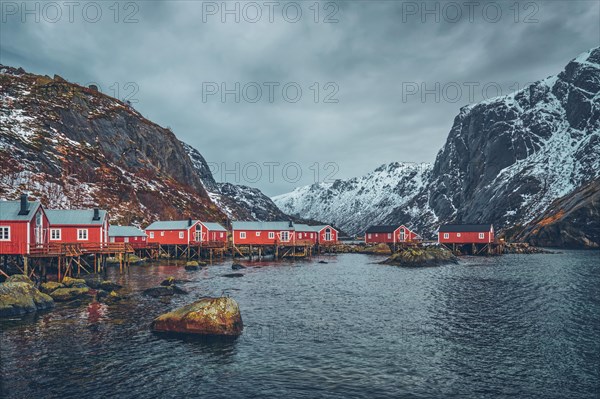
x=516, y=326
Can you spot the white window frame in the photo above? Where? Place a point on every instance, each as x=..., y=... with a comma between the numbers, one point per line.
x=111, y=239
x=162, y=233
x=125, y=239
x=55, y=237
x=143, y=238
x=181, y=235
x=80, y=235
x=299, y=235
x=287, y=236
x=271, y=235
x=446, y=235
x=242, y=234
x=369, y=235
x=4, y=230
x=389, y=236
x=481, y=236
x=221, y=234
x=151, y=234
x=457, y=234
x=258, y=233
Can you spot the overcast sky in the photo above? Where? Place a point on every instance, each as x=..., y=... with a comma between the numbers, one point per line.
x=381, y=81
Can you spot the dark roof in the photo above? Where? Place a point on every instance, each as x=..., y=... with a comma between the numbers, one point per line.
x=382, y=229
x=465, y=228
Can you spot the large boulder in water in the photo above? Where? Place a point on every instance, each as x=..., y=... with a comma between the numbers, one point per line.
x=207, y=316
x=74, y=282
x=50, y=286
x=17, y=298
x=69, y=294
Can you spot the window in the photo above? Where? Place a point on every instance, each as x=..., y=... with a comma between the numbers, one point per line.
x=242, y=234
x=151, y=234
x=126, y=239
x=4, y=233
x=299, y=235
x=162, y=233
x=389, y=236
x=271, y=235
x=181, y=234
x=258, y=233
x=312, y=235
x=82, y=234
x=285, y=236
x=369, y=235
x=221, y=235
x=143, y=238
x=55, y=234
x=458, y=234
x=481, y=236
x=446, y=235
x=112, y=239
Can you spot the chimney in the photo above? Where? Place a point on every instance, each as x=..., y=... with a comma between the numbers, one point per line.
x=96, y=214
x=190, y=222
x=290, y=224
x=24, y=210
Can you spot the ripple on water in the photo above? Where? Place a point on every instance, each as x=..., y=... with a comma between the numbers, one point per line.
x=512, y=326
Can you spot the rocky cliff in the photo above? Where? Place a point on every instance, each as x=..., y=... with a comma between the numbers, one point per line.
x=74, y=147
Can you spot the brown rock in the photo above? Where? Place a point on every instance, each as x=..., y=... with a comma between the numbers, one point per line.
x=207, y=316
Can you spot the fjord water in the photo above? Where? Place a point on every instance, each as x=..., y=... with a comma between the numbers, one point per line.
x=525, y=326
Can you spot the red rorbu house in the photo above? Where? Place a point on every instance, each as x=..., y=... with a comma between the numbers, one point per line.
x=23, y=224
x=128, y=234
x=214, y=232
x=323, y=234
x=466, y=234
x=390, y=234
x=81, y=226
x=175, y=232
x=262, y=233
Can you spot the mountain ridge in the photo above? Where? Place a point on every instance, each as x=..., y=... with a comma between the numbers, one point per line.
x=505, y=159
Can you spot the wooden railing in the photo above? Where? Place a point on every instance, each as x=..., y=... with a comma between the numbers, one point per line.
x=78, y=249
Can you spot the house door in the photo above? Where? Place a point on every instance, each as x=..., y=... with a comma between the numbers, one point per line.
x=198, y=236
x=402, y=237
x=328, y=235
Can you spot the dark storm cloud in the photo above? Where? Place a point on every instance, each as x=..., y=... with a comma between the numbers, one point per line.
x=371, y=54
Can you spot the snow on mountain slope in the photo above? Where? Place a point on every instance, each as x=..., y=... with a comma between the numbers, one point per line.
x=236, y=201
x=505, y=161
x=355, y=203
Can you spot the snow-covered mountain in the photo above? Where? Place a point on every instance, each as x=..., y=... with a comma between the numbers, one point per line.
x=505, y=160
x=355, y=203
x=238, y=202
x=72, y=146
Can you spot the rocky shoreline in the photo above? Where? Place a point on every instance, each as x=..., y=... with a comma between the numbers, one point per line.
x=421, y=257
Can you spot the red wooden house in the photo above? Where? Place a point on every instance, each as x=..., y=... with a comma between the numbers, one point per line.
x=128, y=234
x=82, y=226
x=322, y=234
x=262, y=233
x=466, y=234
x=175, y=232
x=213, y=232
x=390, y=234
x=23, y=224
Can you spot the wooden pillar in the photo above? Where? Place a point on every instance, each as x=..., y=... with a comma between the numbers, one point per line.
x=26, y=265
x=250, y=253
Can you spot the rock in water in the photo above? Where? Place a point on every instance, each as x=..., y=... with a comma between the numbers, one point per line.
x=69, y=294
x=207, y=316
x=323, y=262
x=50, y=286
x=237, y=266
x=18, y=298
x=74, y=282
x=192, y=265
x=233, y=275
